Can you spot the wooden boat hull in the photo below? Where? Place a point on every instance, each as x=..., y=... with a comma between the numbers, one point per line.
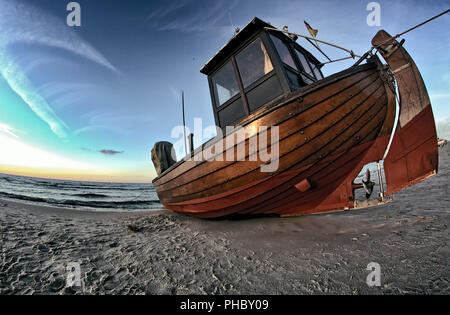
x=413, y=156
x=327, y=132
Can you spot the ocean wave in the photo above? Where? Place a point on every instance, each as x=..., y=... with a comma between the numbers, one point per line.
x=22, y=197
x=106, y=204
x=87, y=195
x=103, y=187
x=8, y=179
x=78, y=194
x=126, y=204
x=68, y=185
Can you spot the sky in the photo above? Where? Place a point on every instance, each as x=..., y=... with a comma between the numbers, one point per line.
x=88, y=102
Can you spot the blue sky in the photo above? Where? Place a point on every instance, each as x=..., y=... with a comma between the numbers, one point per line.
x=89, y=102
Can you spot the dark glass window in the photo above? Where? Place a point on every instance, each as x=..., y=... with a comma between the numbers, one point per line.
x=283, y=51
x=253, y=63
x=293, y=79
x=305, y=64
x=225, y=84
x=306, y=79
x=316, y=70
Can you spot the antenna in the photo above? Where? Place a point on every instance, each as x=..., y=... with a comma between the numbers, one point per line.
x=235, y=28
x=231, y=20
x=184, y=122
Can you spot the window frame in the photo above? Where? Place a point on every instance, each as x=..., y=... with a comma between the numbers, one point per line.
x=308, y=57
x=279, y=71
x=293, y=46
x=217, y=108
x=289, y=48
x=318, y=69
x=312, y=76
x=267, y=75
x=216, y=92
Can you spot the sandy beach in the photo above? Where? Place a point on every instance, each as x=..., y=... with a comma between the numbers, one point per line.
x=166, y=253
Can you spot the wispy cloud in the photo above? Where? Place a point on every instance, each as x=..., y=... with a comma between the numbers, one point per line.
x=8, y=130
x=108, y=121
x=26, y=24
x=62, y=94
x=165, y=11
x=110, y=152
x=193, y=20
x=19, y=83
x=88, y=129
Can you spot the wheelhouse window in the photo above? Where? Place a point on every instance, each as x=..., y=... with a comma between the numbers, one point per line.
x=283, y=51
x=305, y=64
x=317, y=72
x=225, y=84
x=255, y=71
x=253, y=63
x=299, y=69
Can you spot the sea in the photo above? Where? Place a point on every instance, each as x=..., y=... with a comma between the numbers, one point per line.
x=96, y=196
x=93, y=196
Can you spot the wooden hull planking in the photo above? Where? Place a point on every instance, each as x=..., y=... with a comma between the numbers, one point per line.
x=327, y=133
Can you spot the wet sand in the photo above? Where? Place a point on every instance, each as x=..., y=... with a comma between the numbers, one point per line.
x=166, y=253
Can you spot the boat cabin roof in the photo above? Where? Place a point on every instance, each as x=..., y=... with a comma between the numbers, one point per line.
x=236, y=41
x=256, y=68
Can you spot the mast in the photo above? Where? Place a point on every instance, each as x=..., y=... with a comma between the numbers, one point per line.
x=184, y=123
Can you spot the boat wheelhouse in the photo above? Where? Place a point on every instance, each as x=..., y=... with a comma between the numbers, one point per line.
x=255, y=69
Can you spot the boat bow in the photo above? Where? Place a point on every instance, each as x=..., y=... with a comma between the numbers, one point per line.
x=413, y=154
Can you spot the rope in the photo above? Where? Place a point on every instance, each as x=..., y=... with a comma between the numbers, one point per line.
x=340, y=59
x=352, y=54
x=315, y=39
x=409, y=30
x=369, y=52
x=396, y=123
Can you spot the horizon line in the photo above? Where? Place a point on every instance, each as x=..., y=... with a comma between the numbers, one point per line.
x=2, y=172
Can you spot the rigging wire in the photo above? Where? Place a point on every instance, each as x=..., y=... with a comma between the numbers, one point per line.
x=409, y=30
x=315, y=39
x=392, y=38
x=352, y=54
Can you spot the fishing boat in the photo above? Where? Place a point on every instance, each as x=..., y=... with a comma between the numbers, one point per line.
x=327, y=129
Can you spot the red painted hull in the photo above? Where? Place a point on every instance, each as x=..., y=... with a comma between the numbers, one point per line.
x=331, y=188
